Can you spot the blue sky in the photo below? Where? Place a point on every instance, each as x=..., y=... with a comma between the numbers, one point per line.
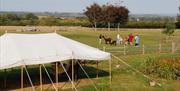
x=135, y=6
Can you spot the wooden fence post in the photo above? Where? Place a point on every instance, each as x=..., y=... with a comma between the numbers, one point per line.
x=104, y=48
x=143, y=51
x=173, y=47
x=124, y=50
x=160, y=48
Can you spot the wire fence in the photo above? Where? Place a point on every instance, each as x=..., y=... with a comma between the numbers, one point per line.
x=145, y=49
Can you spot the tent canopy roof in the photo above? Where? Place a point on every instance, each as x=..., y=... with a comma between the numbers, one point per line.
x=30, y=49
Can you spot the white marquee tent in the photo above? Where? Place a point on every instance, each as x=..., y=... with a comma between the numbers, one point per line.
x=30, y=49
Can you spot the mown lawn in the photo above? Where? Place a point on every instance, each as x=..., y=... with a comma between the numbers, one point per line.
x=123, y=78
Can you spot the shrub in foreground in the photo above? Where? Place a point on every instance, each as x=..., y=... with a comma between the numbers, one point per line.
x=166, y=68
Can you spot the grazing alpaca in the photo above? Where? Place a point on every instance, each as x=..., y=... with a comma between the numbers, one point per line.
x=113, y=42
x=107, y=40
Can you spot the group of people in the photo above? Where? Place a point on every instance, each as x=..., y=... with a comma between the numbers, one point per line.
x=119, y=40
x=129, y=40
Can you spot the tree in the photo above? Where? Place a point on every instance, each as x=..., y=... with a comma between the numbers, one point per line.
x=93, y=13
x=102, y=15
x=169, y=29
x=29, y=19
x=30, y=16
x=178, y=19
x=9, y=19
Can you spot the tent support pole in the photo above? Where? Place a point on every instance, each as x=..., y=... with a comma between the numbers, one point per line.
x=110, y=74
x=72, y=73
x=87, y=76
x=68, y=76
x=49, y=77
x=57, y=74
x=33, y=89
x=21, y=78
x=5, y=78
x=40, y=76
x=97, y=71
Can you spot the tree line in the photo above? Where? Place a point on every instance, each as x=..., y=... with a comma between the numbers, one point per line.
x=96, y=16
x=12, y=19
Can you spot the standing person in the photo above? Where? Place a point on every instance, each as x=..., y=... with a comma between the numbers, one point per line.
x=130, y=39
x=136, y=40
x=100, y=38
x=126, y=40
x=118, y=39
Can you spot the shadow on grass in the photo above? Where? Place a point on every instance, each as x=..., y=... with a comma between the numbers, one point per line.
x=13, y=77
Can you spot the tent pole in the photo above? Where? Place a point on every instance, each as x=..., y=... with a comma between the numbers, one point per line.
x=21, y=78
x=110, y=74
x=49, y=77
x=57, y=74
x=40, y=74
x=5, y=78
x=68, y=76
x=33, y=89
x=97, y=71
x=72, y=73
x=87, y=76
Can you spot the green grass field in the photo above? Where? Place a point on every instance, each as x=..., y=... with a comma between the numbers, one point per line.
x=123, y=78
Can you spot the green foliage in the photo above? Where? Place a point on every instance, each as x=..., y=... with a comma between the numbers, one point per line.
x=162, y=67
x=169, y=29
x=13, y=19
x=30, y=16
x=48, y=21
x=143, y=24
x=9, y=18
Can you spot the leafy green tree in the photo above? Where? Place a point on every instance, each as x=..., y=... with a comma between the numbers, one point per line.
x=29, y=19
x=9, y=19
x=30, y=16
x=169, y=29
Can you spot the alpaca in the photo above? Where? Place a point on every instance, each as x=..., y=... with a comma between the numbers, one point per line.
x=113, y=42
x=107, y=40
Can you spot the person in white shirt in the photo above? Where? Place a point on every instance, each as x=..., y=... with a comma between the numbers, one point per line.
x=136, y=40
x=118, y=39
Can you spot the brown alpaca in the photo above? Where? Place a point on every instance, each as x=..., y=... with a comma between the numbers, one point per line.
x=107, y=40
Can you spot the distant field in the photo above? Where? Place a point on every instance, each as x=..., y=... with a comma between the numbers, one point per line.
x=124, y=79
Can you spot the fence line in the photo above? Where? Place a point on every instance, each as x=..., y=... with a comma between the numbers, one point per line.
x=145, y=49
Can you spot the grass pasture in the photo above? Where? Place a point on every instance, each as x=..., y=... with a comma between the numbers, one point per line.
x=123, y=78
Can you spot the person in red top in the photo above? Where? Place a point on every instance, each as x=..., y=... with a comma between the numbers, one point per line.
x=130, y=38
